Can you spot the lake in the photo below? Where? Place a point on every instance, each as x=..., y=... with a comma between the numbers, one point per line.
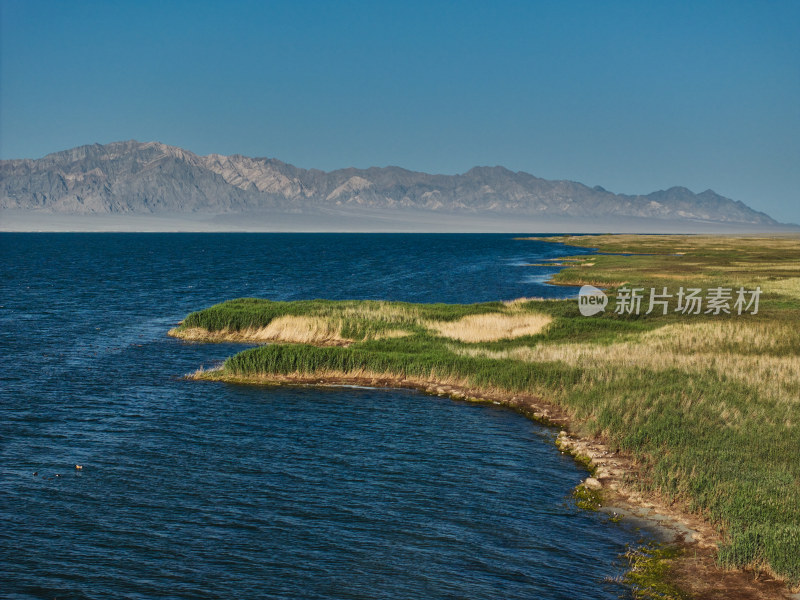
x=208, y=490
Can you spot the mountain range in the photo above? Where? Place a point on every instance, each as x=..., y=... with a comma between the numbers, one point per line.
x=134, y=178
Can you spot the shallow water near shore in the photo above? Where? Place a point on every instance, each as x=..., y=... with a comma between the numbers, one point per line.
x=206, y=490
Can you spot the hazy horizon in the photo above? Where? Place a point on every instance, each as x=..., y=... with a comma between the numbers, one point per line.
x=375, y=221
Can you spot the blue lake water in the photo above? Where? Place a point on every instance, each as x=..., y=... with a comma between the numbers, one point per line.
x=206, y=490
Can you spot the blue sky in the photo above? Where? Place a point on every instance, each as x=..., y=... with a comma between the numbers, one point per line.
x=633, y=96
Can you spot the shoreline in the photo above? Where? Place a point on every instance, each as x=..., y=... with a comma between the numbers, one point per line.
x=689, y=569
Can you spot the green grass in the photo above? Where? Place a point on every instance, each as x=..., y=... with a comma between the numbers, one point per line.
x=709, y=406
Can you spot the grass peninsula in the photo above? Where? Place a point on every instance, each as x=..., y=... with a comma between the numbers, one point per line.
x=694, y=413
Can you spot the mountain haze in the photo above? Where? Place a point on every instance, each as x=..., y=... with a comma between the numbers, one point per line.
x=133, y=178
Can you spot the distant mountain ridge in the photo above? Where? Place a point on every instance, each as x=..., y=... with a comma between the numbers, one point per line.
x=153, y=178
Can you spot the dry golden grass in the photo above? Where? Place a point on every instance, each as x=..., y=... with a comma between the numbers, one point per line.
x=303, y=330
x=518, y=302
x=741, y=352
x=708, y=336
x=491, y=326
x=785, y=287
x=320, y=331
x=743, y=266
x=683, y=244
x=380, y=311
x=292, y=329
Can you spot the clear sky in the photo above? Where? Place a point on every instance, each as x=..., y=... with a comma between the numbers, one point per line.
x=634, y=96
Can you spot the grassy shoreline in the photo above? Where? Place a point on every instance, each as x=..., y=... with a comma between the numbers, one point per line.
x=700, y=412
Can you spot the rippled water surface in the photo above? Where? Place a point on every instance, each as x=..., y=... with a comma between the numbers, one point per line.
x=204, y=490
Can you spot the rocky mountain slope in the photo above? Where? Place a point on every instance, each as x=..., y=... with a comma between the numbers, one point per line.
x=152, y=178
